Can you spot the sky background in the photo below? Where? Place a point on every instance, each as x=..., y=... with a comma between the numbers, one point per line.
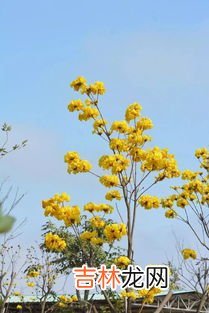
x=152, y=52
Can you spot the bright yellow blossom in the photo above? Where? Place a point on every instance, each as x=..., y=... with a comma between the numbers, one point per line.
x=75, y=105
x=88, y=113
x=78, y=83
x=170, y=213
x=54, y=242
x=120, y=127
x=109, y=181
x=189, y=253
x=97, y=222
x=113, y=194
x=30, y=284
x=133, y=111
x=149, y=202
x=122, y=261
x=115, y=231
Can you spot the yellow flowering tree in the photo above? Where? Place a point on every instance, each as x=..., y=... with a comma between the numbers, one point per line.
x=189, y=204
x=128, y=171
x=41, y=276
x=6, y=220
x=10, y=270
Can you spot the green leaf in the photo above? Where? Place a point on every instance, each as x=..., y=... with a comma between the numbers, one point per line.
x=6, y=223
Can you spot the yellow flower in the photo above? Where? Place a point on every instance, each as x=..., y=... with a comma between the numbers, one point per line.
x=74, y=298
x=78, y=83
x=87, y=235
x=33, y=274
x=75, y=105
x=88, y=113
x=129, y=294
x=106, y=208
x=120, y=145
x=96, y=221
x=19, y=307
x=170, y=213
x=201, y=153
x=189, y=253
x=71, y=156
x=113, y=194
x=181, y=202
x=133, y=111
x=138, y=154
x=54, y=242
x=144, y=123
x=120, y=127
x=99, y=126
x=30, y=284
x=122, y=261
x=149, y=295
x=149, y=202
x=167, y=202
x=91, y=207
x=97, y=88
x=189, y=175
x=115, y=231
x=97, y=241
x=17, y=294
x=71, y=215
x=79, y=166
x=109, y=181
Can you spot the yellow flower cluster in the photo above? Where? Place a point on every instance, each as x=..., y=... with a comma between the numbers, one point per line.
x=189, y=175
x=149, y=202
x=30, y=284
x=170, y=213
x=195, y=192
x=157, y=159
x=78, y=83
x=121, y=127
x=19, y=307
x=149, y=295
x=113, y=195
x=65, y=300
x=17, y=294
x=109, y=181
x=32, y=274
x=189, y=253
x=138, y=154
x=144, y=123
x=54, y=242
x=75, y=105
x=99, y=126
x=88, y=110
x=133, y=111
x=116, y=163
x=136, y=137
x=55, y=207
x=97, y=222
x=121, y=145
x=203, y=155
x=129, y=294
x=115, y=231
x=75, y=164
x=102, y=207
x=92, y=236
x=167, y=202
x=88, y=113
x=122, y=261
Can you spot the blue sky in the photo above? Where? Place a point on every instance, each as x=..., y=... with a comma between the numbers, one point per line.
x=153, y=52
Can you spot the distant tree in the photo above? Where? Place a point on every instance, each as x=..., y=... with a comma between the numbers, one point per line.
x=6, y=220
